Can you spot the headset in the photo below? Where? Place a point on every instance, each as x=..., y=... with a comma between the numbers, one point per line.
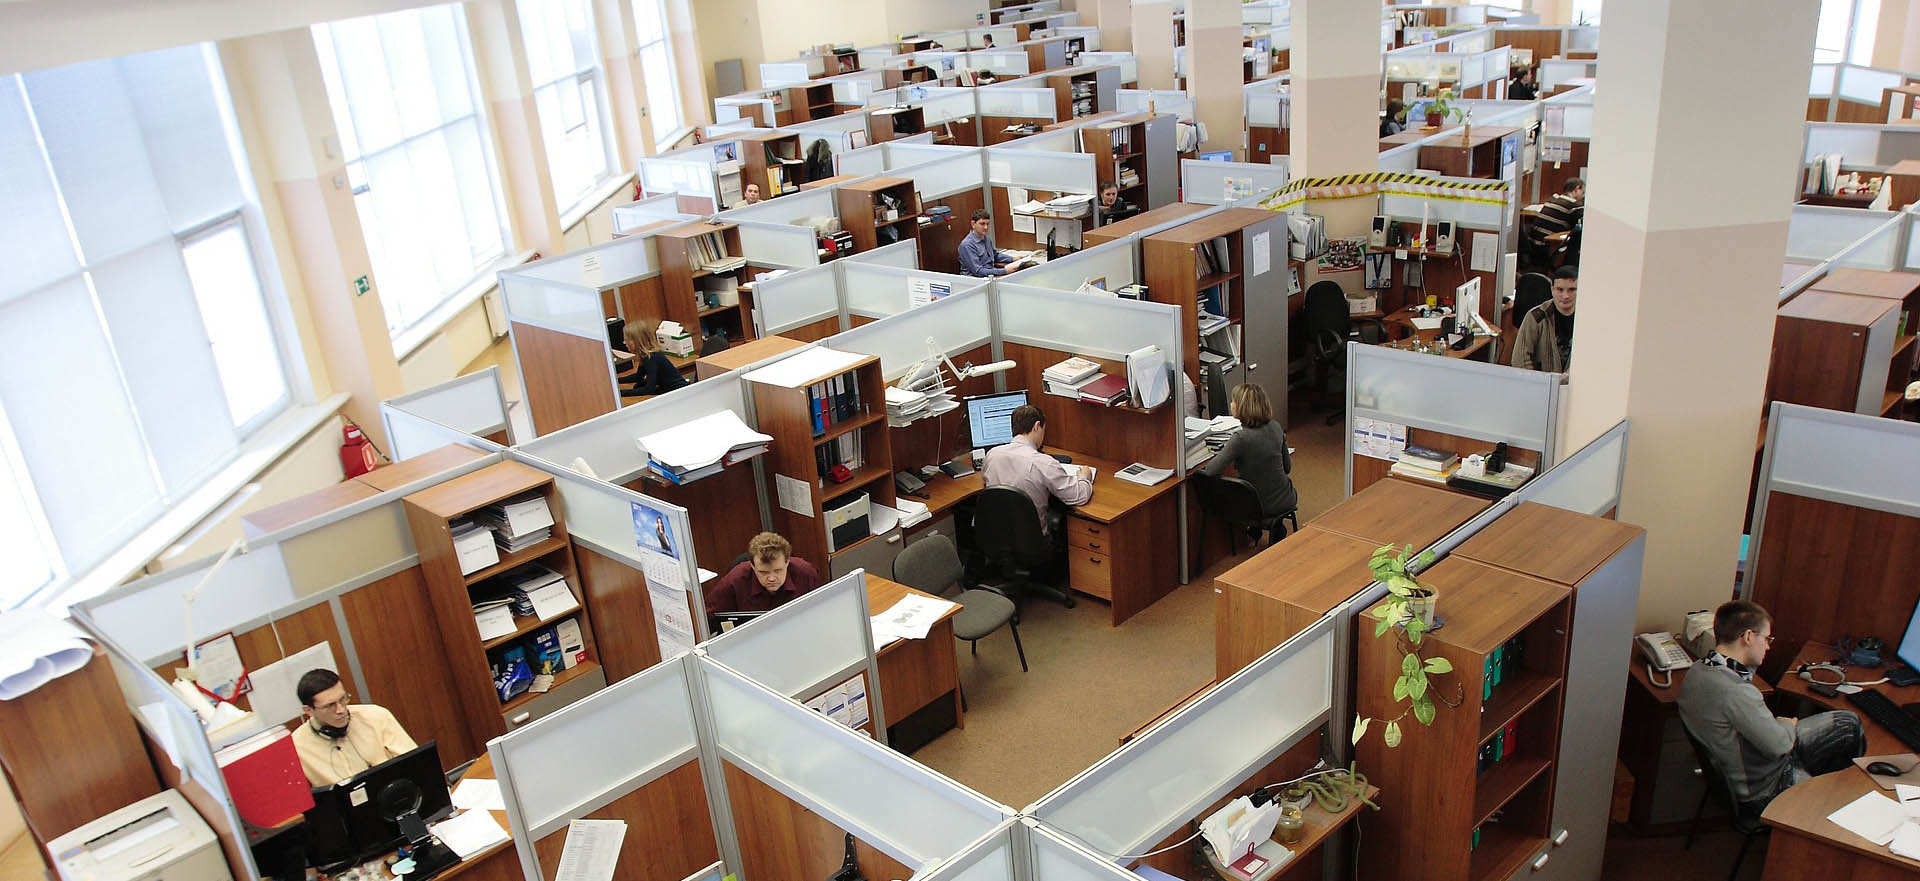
x=337, y=735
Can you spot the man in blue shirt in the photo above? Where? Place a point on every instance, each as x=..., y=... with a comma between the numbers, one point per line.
x=978, y=256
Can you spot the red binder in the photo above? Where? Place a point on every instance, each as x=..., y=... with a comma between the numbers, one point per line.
x=263, y=774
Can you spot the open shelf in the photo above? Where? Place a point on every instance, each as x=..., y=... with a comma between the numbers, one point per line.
x=1501, y=853
x=839, y=428
x=561, y=678
x=525, y=624
x=1511, y=698
x=510, y=559
x=1890, y=401
x=867, y=474
x=1504, y=781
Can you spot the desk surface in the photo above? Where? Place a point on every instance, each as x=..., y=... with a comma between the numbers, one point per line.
x=482, y=769
x=1879, y=740
x=422, y=466
x=882, y=594
x=1802, y=811
x=1113, y=498
x=1378, y=514
x=1869, y=283
x=1477, y=349
x=749, y=352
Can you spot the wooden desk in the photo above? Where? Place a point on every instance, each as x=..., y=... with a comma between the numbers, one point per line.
x=425, y=465
x=1481, y=349
x=1378, y=514
x=1879, y=740
x=1654, y=749
x=501, y=861
x=274, y=518
x=1806, y=845
x=747, y=353
x=917, y=675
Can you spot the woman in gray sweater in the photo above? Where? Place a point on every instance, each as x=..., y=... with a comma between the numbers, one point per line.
x=1258, y=451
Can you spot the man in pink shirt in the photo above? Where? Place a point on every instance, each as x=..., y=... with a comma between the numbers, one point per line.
x=1020, y=464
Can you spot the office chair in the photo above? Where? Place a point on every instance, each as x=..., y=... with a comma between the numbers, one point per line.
x=1006, y=528
x=713, y=342
x=617, y=333
x=1744, y=816
x=1530, y=290
x=932, y=564
x=1216, y=381
x=1329, y=328
x=1235, y=500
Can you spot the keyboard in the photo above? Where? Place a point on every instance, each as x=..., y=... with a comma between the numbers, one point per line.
x=1877, y=707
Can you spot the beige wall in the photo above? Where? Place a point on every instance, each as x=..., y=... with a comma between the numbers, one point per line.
x=728, y=29
x=787, y=29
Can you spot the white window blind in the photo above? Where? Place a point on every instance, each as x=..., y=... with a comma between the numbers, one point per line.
x=563, y=59
x=656, y=68
x=115, y=400
x=407, y=108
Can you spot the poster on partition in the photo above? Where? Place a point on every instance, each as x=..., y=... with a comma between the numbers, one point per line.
x=1343, y=255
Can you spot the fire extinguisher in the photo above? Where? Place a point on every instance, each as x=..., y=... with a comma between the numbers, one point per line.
x=356, y=452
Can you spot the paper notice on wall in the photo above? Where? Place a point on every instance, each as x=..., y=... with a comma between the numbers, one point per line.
x=794, y=495
x=1260, y=251
x=922, y=291
x=662, y=570
x=1556, y=150
x=1486, y=252
x=590, y=272
x=1023, y=223
x=1553, y=120
x=857, y=714
x=673, y=625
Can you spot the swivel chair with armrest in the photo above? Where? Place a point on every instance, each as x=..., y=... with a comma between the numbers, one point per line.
x=1330, y=325
x=1235, y=500
x=1006, y=529
x=1744, y=816
x=932, y=564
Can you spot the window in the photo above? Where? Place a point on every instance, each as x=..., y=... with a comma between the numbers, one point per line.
x=656, y=68
x=563, y=57
x=1846, y=31
x=408, y=110
x=140, y=347
x=1585, y=12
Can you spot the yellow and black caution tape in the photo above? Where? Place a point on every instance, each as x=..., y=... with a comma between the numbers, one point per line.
x=1385, y=183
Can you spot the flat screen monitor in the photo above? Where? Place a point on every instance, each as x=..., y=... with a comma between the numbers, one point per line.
x=361, y=817
x=1217, y=156
x=1909, y=651
x=990, y=418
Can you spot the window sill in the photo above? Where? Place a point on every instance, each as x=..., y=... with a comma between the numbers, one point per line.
x=256, y=456
x=416, y=336
x=573, y=216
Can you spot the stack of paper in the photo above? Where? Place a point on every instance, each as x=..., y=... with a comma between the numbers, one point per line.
x=912, y=513
x=518, y=523
x=1206, y=436
x=905, y=405
x=1070, y=371
x=910, y=618
x=703, y=446
x=926, y=379
x=473, y=546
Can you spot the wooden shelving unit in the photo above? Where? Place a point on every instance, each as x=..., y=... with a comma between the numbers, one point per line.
x=1903, y=289
x=785, y=414
x=1470, y=151
x=863, y=206
x=686, y=277
x=1178, y=274
x=806, y=103
x=892, y=123
x=430, y=516
x=773, y=160
x=1076, y=92
x=1500, y=627
x=1840, y=352
x=1119, y=151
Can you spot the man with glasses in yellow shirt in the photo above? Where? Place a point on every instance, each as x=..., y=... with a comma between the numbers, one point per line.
x=340, y=738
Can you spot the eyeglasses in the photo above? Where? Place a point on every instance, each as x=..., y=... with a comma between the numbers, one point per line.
x=334, y=706
x=1767, y=637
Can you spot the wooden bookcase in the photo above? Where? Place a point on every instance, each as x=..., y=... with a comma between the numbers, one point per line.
x=892, y=123
x=1177, y=274
x=1119, y=151
x=807, y=103
x=1902, y=288
x=773, y=161
x=1076, y=93
x=784, y=414
x=861, y=211
x=1839, y=351
x=1471, y=151
x=430, y=514
x=1427, y=831
x=684, y=276
x=843, y=61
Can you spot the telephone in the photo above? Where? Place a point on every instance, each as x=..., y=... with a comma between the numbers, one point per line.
x=1663, y=654
x=907, y=483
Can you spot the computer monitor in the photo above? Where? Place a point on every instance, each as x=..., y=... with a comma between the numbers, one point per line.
x=1909, y=651
x=990, y=418
x=730, y=620
x=375, y=810
x=1217, y=156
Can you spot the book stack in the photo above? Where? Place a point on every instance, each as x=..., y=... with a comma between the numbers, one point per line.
x=1068, y=378
x=1205, y=437
x=1105, y=389
x=709, y=252
x=1215, y=257
x=1426, y=463
x=833, y=401
x=518, y=523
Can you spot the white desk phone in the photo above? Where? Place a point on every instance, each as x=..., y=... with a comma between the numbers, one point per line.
x=1663, y=654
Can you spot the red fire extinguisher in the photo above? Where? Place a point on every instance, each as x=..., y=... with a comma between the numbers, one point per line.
x=356, y=452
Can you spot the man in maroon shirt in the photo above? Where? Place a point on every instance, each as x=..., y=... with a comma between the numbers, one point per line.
x=770, y=577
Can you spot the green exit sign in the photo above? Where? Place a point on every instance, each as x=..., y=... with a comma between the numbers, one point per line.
x=360, y=285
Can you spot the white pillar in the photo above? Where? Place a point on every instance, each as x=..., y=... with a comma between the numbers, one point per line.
x=1215, y=73
x=1153, y=42
x=1335, y=90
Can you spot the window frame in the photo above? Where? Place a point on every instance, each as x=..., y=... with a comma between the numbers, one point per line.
x=665, y=42
x=595, y=74
x=289, y=396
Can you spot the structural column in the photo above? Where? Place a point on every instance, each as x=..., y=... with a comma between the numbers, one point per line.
x=1113, y=18
x=1335, y=94
x=1153, y=42
x=1216, y=73
x=501, y=59
x=1686, y=227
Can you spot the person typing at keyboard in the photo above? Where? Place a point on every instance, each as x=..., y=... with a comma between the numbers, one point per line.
x=1761, y=754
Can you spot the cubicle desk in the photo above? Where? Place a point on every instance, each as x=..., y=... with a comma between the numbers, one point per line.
x=1367, y=469
x=1143, y=221
x=500, y=862
x=418, y=468
x=1179, y=857
x=1401, y=513
x=1828, y=568
x=743, y=355
x=919, y=678
x=1481, y=349
x=940, y=242
x=1879, y=740
x=1654, y=749
x=1805, y=844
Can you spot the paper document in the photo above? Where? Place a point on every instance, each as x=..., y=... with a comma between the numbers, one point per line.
x=474, y=794
x=913, y=616
x=1147, y=377
x=36, y=647
x=273, y=698
x=794, y=495
x=1426, y=323
x=881, y=519
x=805, y=367
x=1261, y=252
x=552, y=600
x=592, y=850
x=701, y=442
x=494, y=622
x=1909, y=796
x=1078, y=470
x=1873, y=816
x=1906, y=841
x=470, y=833
x=1486, y=252
x=1143, y=475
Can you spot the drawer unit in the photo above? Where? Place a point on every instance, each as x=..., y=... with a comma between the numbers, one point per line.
x=551, y=702
x=1090, y=572
x=1080, y=531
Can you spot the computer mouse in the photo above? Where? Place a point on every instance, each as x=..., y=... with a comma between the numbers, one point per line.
x=1883, y=769
x=1063, y=459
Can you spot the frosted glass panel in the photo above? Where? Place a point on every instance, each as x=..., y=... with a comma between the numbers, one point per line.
x=797, y=646
x=1588, y=482
x=1475, y=215
x=889, y=800
x=1129, y=66
x=864, y=161
x=348, y=549
x=1864, y=85
x=1062, y=141
x=686, y=177
x=628, y=728
x=1057, y=172
x=899, y=255
x=1820, y=82
x=472, y=403
x=989, y=859
x=779, y=245
x=1206, y=182
x=1815, y=233
x=606, y=442
x=796, y=298
x=786, y=209
x=1056, y=860
x=575, y=310
x=1113, y=261
x=945, y=105
x=1873, y=251
x=782, y=73
x=1016, y=102
x=603, y=514
x=1110, y=329
x=1264, y=111
x=958, y=323
x=1487, y=401
x=1163, y=778
x=412, y=435
x=1875, y=469
x=148, y=617
x=1857, y=143
x=649, y=210
x=621, y=260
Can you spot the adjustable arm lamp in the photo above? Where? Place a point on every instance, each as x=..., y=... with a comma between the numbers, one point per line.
x=969, y=371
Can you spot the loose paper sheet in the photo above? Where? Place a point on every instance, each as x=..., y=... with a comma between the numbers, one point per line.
x=552, y=600
x=795, y=495
x=273, y=698
x=494, y=622
x=1023, y=223
x=470, y=833
x=1873, y=816
x=913, y=616
x=592, y=850
x=804, y=367
x=1261, y=252
x=662, y=570
x=1556, y=150
x=36, y=647
x=1486, y=252
x=474, y=793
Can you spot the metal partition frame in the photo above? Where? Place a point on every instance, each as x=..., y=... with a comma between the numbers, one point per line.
x=797, y=299
x=1205, y=182
x=409, y=435
x=472, y=402
x=788, y=649
x=1166, y=776
x=904, y=254
x=1491, y=402
x=1875, y=471
x=607, y=442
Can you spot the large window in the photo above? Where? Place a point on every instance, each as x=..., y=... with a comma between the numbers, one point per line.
x=656, y=67
x=1846, y=31
x=139, y=345
x=407, y=106
x=563, y=58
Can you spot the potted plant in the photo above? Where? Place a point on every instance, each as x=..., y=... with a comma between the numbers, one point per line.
x=1407, y=612
x=1441, y=108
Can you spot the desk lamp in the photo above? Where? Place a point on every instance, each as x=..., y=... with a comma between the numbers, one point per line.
x=970, y=371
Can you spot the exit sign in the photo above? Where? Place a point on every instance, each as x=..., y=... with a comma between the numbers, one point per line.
x=360, y=285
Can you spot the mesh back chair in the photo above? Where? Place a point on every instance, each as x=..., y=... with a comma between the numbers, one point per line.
x=1745, y=816
x=1330, y=325
x=1235, y=500
x=1006, y=528
x=1530, y=290
x=932, y=564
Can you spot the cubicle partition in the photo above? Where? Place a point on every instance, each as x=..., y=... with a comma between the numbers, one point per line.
x=1850, y=92
x=1109, y=267
x=873, y=291
x=1017, y=176
x=1217, y=183
x=803, y=305
x=1399, y=397
x=1125, y=61
x=652, y=212
x=556, y=312
x=904, y=254
x=470, y=409
x=1002, y=107
x=960, y=326
x=812, y=645
x=949, y=176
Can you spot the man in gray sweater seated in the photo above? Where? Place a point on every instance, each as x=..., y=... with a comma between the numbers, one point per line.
x=1761, y=754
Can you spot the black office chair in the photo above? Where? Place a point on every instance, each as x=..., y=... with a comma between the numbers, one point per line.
x=1235, y=500
x=1745, y=816
x=1006, y=528
x=1216, y=381
x=1330, y=326
x=932, y=564
x=713, y=342
x=1530, y=290
x=617, y=333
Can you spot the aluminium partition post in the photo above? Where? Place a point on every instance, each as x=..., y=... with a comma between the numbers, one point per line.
x=712, y=772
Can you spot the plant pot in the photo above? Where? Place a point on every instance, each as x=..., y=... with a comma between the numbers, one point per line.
x=1433, y=120
x=1421, y=605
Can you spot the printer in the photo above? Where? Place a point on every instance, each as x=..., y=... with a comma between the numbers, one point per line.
x=159, y=838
